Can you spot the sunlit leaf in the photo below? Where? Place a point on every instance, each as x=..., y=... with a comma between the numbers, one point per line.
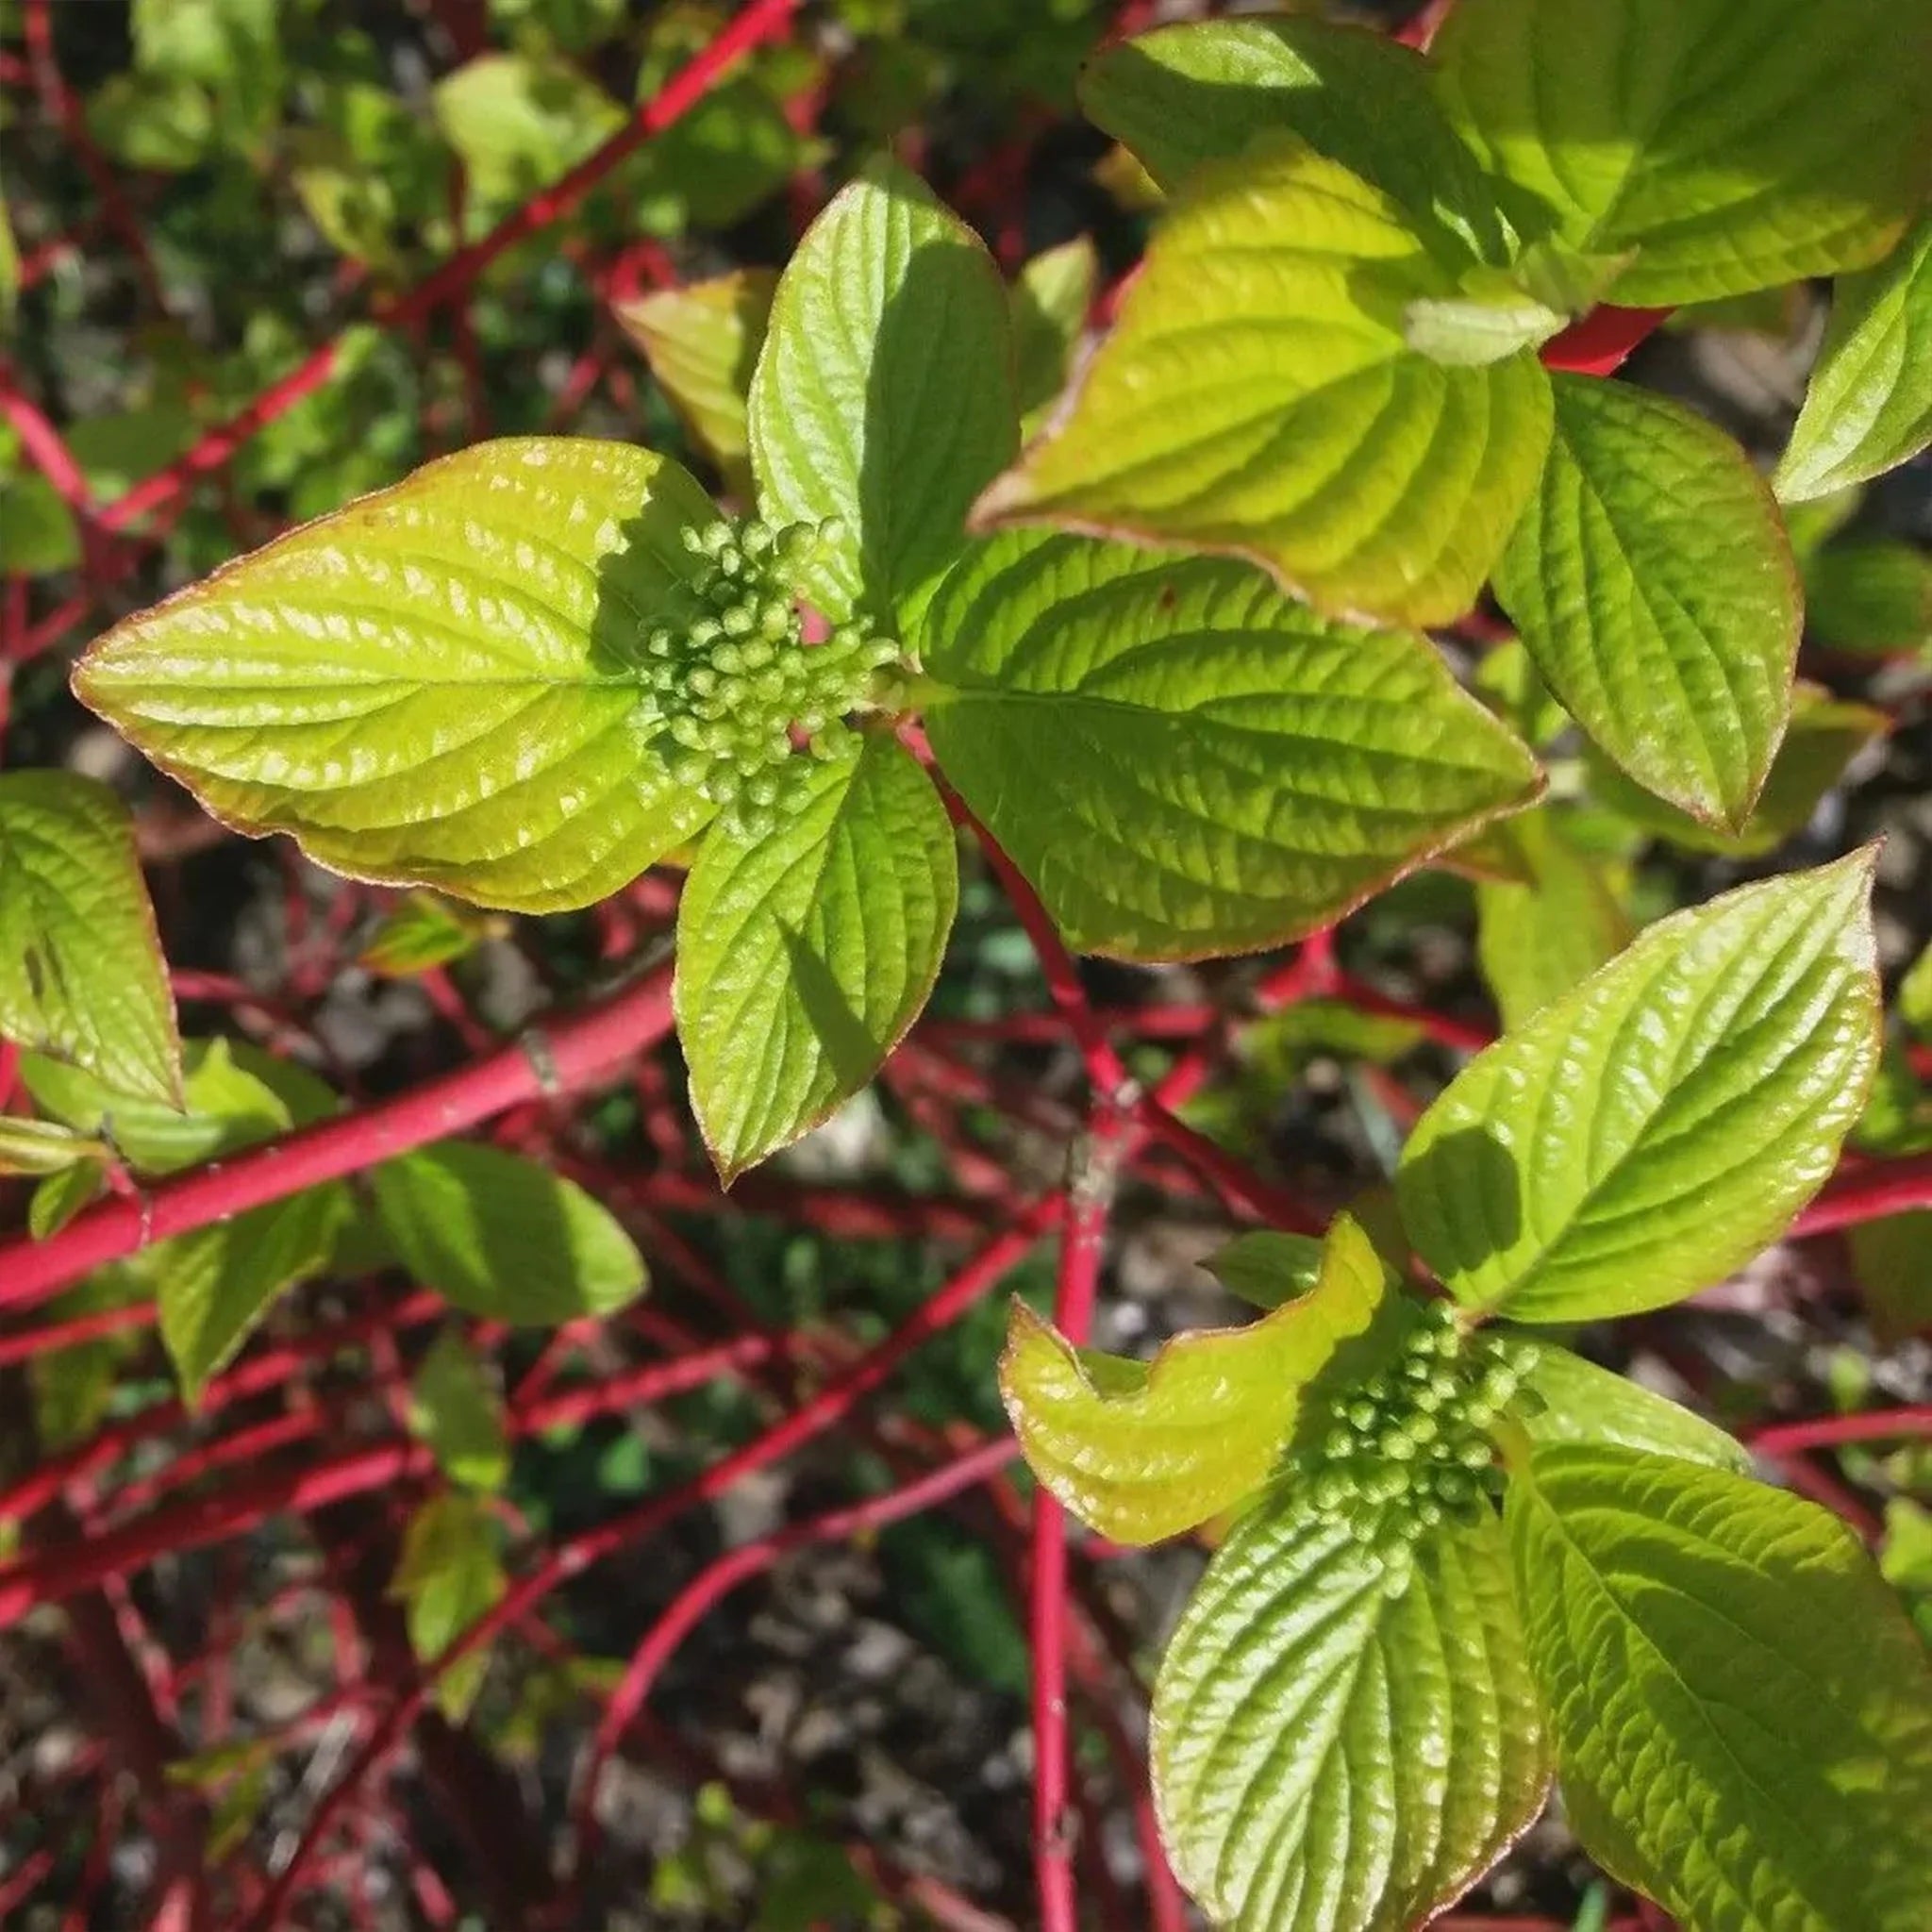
x=443, y=684
x=1650, y=1131
x=1329, y=1758
x=805, y=954
x=1144, y=1450
x=81, y=974
x=1185, y=762
x=1742, y=1713
x=1257, y=395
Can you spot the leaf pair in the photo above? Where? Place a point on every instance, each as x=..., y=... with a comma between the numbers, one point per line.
x=1328, y=361
x=1330, y=1753
x=459, y=682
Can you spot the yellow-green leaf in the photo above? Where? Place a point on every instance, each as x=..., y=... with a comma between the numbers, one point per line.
x=1050, y=299
x=1183, y=760
x=1329, y=1758
x=702, y=341
x=1538, y=937
x=505, y=1238
x=1741, y=1712
x=456, y=1409
x=1257, y=395
x=450, y=1574
x=81, y=974
x=884, y=394
x=1870, y=405
x=1650, y=1131
x=1732, y=147
x=803, y=956
x=1655, y=588
x=443, y=684
x=1144, y=1450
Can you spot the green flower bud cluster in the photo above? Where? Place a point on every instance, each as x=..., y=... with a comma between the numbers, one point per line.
x=1410, y=1447
x=733, y=692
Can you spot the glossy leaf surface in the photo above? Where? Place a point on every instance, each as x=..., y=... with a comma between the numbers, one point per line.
x=1583, y=1403
x=1327, y=1758
x=884, y=396
x=1732, y=147
x=805, y=954
x=1656, y=590
x=1741, y=1712
x=1257, y=395
x=1870, y=405
x=1650, y=1131
x=81, y=974
x=442, y=683
x=1183, y=760
x=1145, y=1450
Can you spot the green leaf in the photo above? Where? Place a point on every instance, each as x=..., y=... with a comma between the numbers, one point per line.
x=805, y=954
x=81, y=974
x=714, y=164
x=1874, y=596
x=1256, y=396
x=10, y=269
x=443, y=684
x=1733, y=147
x=73, y=1386
x=1742, y=1713
x=1329, y=1759
x=1267, y=1268
x=1472, y=331
x=1915, y=995
x=1050, y=300
x=1649, y=1132
x=884, y=395
x=450, y=1574
x=61, y=1196
x=1655, y=588
x=423, y=932
x=1186, y=762
x=215, y=1284
x=1870, y=405
x=1145, y=1450
x=1892, y=1261
x=1824, y=735
x=33, y=1149
x=455, y=1407
x=503, y=1238
x=38, y=531
x=230, y=1100
x=1578, y=1402
x=149, y=121
x=1538, y=940
x=1183, y=95
x=519, y=122
x=702, y=342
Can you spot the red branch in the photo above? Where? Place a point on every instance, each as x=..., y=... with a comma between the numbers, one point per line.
x=712, y=1585
x=543, y=1065
x=1869, y=1192
x=763, y=21
x=1603, y=340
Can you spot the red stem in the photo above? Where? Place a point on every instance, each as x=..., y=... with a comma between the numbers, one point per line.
x=763, y=20
x=823, y=1411
x=1603, y=340
x=712, y=1585
x=1833, y=1431
x=543, y=1065
x=1869, y=1192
